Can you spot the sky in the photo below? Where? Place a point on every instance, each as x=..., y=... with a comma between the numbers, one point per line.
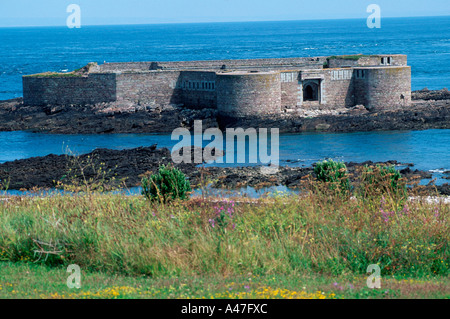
x=105, y=12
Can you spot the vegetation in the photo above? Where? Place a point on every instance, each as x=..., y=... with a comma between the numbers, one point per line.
x=87, y=174
x=333, y=173
x=55, y=75
x=380, y=180
x=29, y=280
x=354, y=57
x=314, y=245
x=170, y=183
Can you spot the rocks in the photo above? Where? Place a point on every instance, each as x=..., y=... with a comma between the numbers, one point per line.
x=130, y=165
x=409, y=173
x=444, y=189
x=426, y=94
x=140, y=117
x=322, y=127
x=46, y=171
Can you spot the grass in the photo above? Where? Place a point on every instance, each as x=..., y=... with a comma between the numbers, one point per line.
x=29, y=280
x=274, y=247
x=56, y=75
x=348, y=57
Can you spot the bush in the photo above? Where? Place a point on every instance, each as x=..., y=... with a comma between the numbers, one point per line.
x=332, y=172
x=169, y=183
x=381, y=180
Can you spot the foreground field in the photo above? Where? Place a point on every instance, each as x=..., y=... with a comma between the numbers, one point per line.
x=315, y=246
x=28, y=280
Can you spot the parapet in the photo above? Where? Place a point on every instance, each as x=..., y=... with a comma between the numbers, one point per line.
x=347, y=61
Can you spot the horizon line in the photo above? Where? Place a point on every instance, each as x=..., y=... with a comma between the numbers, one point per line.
x=205, y=22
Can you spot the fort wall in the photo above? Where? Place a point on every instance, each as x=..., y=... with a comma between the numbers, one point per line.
x=387, y=87
x=235, y=87
x=338, y=88
x=268, y=64
x=44, y=90
x=198, y=89
x=149, y=88
x=242, y=94
x=367, y=60
x=290, y=90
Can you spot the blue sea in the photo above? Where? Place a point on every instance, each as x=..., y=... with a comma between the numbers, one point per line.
x=425, y=40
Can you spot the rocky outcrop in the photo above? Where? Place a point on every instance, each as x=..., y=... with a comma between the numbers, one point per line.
x=426, y=94
x=420, y=116
x=431, y=111
x=125, y=168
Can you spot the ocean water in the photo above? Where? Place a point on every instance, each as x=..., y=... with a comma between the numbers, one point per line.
x=425, y=40
x=428, y=150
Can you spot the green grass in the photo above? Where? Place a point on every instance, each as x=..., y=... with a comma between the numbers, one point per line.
x=28, y=280
x=348, y=57
x=55, y=75
x=271, y=247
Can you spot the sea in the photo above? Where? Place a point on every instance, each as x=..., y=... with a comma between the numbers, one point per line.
x=426, y=41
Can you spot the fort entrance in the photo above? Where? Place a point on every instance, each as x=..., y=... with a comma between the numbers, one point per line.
x=310, y=91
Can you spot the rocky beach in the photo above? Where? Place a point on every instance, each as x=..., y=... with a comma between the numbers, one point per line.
x=125, y=168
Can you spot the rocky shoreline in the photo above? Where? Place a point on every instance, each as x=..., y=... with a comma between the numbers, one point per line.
x=429, y=109
x=129, y=166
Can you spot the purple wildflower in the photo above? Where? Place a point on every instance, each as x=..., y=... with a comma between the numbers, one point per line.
x=436, y=212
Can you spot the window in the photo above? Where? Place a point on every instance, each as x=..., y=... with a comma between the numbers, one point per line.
x=386, y=60
x=360, y=74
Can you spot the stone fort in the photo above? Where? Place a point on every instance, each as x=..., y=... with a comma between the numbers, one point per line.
x=236, y=88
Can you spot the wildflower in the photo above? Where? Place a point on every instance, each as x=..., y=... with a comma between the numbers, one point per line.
x=436, y=212
x=406, y=210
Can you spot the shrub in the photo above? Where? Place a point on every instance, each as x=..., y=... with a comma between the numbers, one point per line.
x=333, y=172
x=381, y=180
x=169, y=183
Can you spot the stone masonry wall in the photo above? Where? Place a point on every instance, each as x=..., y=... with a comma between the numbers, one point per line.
x=373, y=60
x=337, y=88
x=95, y=88
x=289, y=89
x=216, y=64
x=198, y=89
x=152, y=88
x=388, y=87
x=241, y=94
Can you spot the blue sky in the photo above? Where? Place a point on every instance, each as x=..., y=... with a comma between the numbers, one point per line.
x=98, y=12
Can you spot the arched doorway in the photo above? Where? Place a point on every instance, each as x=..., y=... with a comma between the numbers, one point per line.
x=310, y=91
x=308, y=96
